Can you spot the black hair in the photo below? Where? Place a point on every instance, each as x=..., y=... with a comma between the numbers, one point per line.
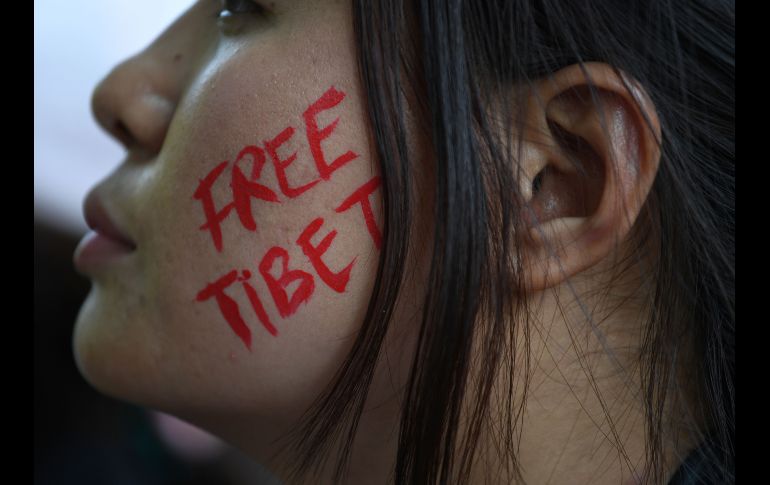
x=447, y=60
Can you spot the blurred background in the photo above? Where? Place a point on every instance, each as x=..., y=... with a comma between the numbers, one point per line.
x=81, y=436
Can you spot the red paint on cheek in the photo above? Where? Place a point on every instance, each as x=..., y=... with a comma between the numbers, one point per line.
x=244, y=189
x=361, y=196
x=286, y=306
x=256, y=303
x=213, y=217
x=335, y=281
x=315, y=136
x=227, y=305
x=281, y=165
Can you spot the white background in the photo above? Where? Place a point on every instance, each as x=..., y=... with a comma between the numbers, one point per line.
x=77, y=42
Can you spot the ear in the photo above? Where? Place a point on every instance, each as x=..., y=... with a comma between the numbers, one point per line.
x=588, y=167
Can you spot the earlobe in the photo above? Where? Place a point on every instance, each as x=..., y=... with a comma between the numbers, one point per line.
x=594, y=175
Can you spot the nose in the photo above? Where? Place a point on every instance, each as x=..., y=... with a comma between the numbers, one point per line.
x=134, y=104
x=136, y=101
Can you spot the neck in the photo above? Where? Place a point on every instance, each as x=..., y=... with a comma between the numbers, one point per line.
x=583, y=417
x=371, y=459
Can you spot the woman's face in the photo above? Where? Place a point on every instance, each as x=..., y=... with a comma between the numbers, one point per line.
x=253, y=198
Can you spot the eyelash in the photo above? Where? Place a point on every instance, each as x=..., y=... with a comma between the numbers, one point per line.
x=230, y=8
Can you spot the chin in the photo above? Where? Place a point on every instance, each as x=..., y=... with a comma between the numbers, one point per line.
x=105, y=354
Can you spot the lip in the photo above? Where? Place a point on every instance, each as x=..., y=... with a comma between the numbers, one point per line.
x=105, y=243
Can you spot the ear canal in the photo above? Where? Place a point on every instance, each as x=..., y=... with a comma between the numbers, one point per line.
x=537, y=182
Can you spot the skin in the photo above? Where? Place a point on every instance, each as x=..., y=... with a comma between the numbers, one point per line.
x=203, y=91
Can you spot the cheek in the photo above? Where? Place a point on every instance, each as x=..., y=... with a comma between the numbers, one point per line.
x=263, y=231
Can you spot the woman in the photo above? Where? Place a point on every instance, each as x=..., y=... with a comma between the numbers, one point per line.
x=426, y=242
